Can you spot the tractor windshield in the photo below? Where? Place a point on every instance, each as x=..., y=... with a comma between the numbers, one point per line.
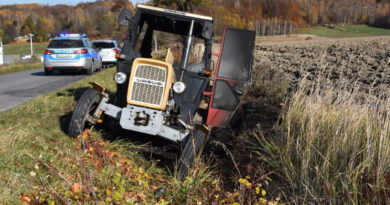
x=188, y=36
x=158, y=45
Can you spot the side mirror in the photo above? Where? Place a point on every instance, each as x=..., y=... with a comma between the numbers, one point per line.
x=124, y=18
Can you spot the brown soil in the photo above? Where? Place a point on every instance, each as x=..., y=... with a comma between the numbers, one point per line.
x=345, y=64
x=288, y=38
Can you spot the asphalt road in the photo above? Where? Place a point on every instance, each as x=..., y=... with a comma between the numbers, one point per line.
x=17, y=88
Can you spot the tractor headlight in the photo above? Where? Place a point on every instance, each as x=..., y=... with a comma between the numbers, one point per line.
x=179, y=87
x=120, y=77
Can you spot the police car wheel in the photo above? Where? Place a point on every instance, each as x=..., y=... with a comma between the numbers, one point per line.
x=91, y=69
x=100, y=68
x=48, y=72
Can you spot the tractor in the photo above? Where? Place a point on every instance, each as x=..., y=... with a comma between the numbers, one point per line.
x=173, y=98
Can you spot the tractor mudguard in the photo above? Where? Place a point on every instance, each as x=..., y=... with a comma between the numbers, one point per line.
x=96, y=86
x=232, y=76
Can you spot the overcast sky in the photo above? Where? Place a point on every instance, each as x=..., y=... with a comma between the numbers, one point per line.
x=52, y=2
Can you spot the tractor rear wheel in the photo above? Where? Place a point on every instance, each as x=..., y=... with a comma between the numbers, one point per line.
x=82, y=114
x=192, y=147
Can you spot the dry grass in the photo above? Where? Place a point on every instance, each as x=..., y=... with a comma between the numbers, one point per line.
x=329, y=148
x=331, y=144
x=4, y=69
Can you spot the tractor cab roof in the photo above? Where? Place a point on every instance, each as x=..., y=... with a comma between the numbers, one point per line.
x=175, y=22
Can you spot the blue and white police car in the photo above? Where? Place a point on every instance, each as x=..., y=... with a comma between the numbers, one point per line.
x=71, y=52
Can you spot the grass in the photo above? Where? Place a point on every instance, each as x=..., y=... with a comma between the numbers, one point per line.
x=328, y=148
x=40, y=164
x=24, y=49
x=4, y=69
x=340, y=31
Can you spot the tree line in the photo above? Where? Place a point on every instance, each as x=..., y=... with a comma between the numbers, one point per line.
x=267, y=17
x=276, y=17
x=97, y=19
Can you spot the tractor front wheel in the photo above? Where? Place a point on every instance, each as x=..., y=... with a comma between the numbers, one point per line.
x=192, y=147
x=82, y=115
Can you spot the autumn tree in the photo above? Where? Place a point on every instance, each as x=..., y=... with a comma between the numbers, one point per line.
x=267, y=17
x=182, y=5
x=43, y=29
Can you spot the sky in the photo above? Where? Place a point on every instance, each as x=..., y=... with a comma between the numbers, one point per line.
x=52, y=2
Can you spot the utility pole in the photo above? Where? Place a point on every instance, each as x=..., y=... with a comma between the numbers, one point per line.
x=31, y=46
x=1, y=53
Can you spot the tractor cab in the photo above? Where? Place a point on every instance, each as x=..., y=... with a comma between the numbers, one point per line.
x=150, y=23
x=177, y=97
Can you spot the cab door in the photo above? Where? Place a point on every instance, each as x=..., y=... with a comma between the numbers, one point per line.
x=232, y=75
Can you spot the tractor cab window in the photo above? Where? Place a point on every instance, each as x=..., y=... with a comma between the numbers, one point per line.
x=155, y=44
x=162, y=42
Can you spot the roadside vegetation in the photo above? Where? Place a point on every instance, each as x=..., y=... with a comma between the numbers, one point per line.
x=330, y=142
x=39, y=163
x=4, y=69
x=312, y=130
x=24, y=49
x=328, y=148
x=340, y=31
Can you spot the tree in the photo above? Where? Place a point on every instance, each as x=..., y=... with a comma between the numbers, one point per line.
x=182, y=5
x=43, y=29
x=28, y=25
x=1, y=34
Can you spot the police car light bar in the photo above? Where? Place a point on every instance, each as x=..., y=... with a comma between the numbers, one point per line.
x=70, y=35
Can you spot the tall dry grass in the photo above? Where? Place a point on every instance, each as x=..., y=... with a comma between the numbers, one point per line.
x=330, y=148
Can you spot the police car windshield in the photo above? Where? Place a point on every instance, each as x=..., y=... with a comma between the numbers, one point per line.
x=66, y=43
x=104, y=44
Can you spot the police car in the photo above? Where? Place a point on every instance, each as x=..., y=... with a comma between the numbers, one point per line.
x=71, y=52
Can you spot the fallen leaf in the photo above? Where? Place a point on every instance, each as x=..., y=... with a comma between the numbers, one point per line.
x=26, y=198
x=76, y=187
x=86, y=133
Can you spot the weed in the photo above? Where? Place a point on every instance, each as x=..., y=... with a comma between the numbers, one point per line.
x=329, y=149
x=19, y=67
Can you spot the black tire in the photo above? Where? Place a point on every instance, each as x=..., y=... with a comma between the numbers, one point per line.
x=48, y=72
x=86, y=105
x=91, y=70
x=192, y=146
x=100, y=66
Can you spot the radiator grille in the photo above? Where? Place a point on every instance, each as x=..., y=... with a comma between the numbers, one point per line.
x=148, y=84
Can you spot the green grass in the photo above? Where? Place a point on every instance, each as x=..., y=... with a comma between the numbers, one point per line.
x=340, y=31
x=19, y=67
x=24, y=49
x=40, y=164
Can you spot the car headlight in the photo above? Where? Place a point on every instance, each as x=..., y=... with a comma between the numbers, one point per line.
x=120, y=77
x=179, y=87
